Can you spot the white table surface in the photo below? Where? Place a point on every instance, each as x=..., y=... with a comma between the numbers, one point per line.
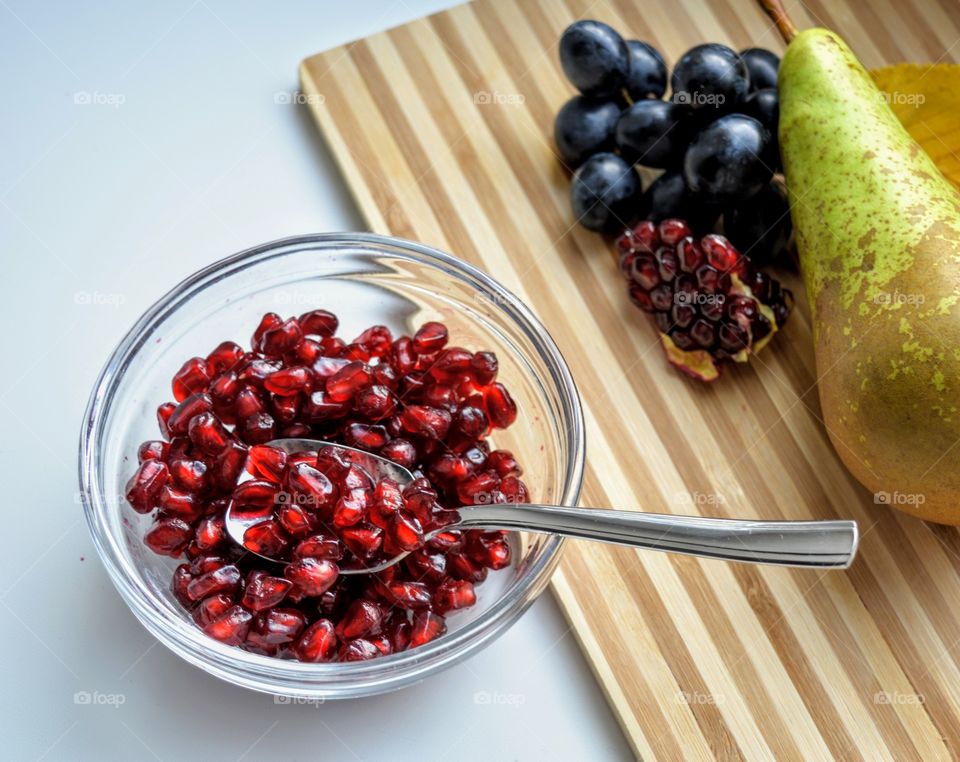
x=140, y=141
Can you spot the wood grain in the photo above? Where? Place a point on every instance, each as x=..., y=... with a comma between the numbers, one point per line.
x=442, y=129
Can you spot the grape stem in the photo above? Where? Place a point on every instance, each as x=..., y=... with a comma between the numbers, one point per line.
x=781, y=18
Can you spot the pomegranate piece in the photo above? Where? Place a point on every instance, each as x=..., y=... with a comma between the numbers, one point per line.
x=362, y=618
x=267, y=462
x=223, y=358
x=228, y=466
x=314, y=576
x=319, y=323
x=225, y=579
x=319, y=546
x=365, y=436
x=288, y=381
x=501, y=408
x=256, y=496
x=266, y=538
x=454, y=594
x=169, y=537
x=363, y=541
x=472, y=421
x=484, y=367
x=144, y=487
x=400, y=451
x=231, y=626
x=276, y=627
x=311, y=488
x=426, y=626
x=208, y=434
x=317, y=643
x=431, y=337
x=192, y=377
x=357, y=650
x=259, y=428
x=349, y=380
x=426, y=421
x=210, y=533
x=376, y=402
x=210, y=609
x=164, y=412
x=281, y=338
x=187, y=410
x=180, y=504
x=153, y=450
x=248, y=403
x=409, y=595
x=263, y=591
x=406, y=532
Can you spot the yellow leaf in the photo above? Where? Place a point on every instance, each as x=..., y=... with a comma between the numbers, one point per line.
x=926, y=99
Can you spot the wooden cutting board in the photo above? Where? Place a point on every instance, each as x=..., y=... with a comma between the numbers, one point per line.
x=442, y=128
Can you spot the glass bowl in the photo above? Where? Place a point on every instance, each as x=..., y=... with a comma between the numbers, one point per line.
x=364, y=279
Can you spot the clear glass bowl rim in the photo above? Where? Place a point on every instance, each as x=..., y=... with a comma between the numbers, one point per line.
x=326, y=680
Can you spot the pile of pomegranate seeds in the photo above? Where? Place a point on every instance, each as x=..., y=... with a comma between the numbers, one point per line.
x=425, y=405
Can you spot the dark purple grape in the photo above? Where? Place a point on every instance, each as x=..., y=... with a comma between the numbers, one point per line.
x=730, y=160
x=595, y=58
x=583, y=127
x=654, y=133
x=604, y=193
x=668, y=196
x=647, y=77
x=710, y=77
x=760, y=229
x=763, y=66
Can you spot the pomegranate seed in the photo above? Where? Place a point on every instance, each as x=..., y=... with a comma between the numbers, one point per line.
x=266, y=538
x=210, y=609
x=503, y=462
x=168, y=537
x=406, y=532
x=228, y=466
x=292, y=518
x=357, y=650
x=363, y=541
x=224, y=357
x=189, y=475
x=376, y=402
x=258, y=428
x=671, y=231
x=472, y=421
x=276, y=627
x=451, y=364
x=426, y=626
x=187, y=410
x=231, y=626
x=288, y=381
x=361, y=618
x=400, y=451
x=263, y=591
x=500, y=406
x=192, y=377
x=484, y=367
x=177, y=503
x=377, y=339
x=211, y=533
x=430, y=338
x=365, y=436
x=224, y=579
x=382, y=644
x=280, y=339
x=424, y=565
x=403, y=355
x=426, y=421
x=514, y=490
x=267, y=462
x=311, y=488
x=320, y=546
x=144, y=488
x=153, y=450
x=347, y=381
x=308, y=352
x=721, y=254
x=349, y=509
x=317, y=643
x=255, y=496
x=454, y=594
x=208, y=434
x=409, y=595
x=164, y=412
x=461, y=567
x=319, y=323
x=314, y=576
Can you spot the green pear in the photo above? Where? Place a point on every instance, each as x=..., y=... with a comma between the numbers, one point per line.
x=878, y=233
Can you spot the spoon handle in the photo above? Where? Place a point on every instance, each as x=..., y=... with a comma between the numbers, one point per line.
x=815, y=544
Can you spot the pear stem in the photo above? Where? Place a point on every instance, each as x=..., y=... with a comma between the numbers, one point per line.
x=781, y=18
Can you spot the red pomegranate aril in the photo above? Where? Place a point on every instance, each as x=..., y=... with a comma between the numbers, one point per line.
x=409, y=595
x=264, y=591
x=357, y=650
x=208, y=434
x=472, y=422
x=255, y=496
x=178, y=584
x=277, y=627
x=426, y=626
x=231, y=627
x=689, y=255
x=514, y=490
x=365, y=436
x=721, y=254
x=266, y=538
x=259, y=428
x=333, y=461
x=192, y=378
x=210, y=609
x=294, y=521
x=187, y=410
x=349, y=380
x=164, y=412
x=210, y=533
x=225, y=579
x=361, y=618
x=248, y=403
x=504, y=463
x=280, y=339
x=285, y=410
x=400, y=451
x=501, y=408
x=377, y=339
x=319, y=323
x=406, y=532
x=228, y=466
x=153, y=450
x=363, y=541
x=267, y=462
x=431, y=337
x=426, y=421
x=224, y=357
x=484, y=367
x=318, y=643
x=288, y=381
x=145, y=486
x=449, y=468
x=349, y=510
x=319, y=546
x=403, y=355
x=375, y=402
x=461, y=567
x=179, y=504
x=189, y=475
x=672, y=230
x=427, y=566
x=320, y=408
x=454, y=594
x=225, y=388
x=268, y=321
x=168, y=537
x=478, y=488
x=311, y=488
x=314, y=576
x=451, y=364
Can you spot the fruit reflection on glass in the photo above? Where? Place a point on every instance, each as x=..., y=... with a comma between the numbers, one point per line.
x=418, y=401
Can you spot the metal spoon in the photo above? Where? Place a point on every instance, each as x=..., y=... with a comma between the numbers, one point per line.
x=813, y=544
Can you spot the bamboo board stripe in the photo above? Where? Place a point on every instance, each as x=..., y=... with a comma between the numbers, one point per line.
x=442, y=129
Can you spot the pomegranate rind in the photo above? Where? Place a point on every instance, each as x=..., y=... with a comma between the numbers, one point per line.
x=697, y=363
x=739, y=287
